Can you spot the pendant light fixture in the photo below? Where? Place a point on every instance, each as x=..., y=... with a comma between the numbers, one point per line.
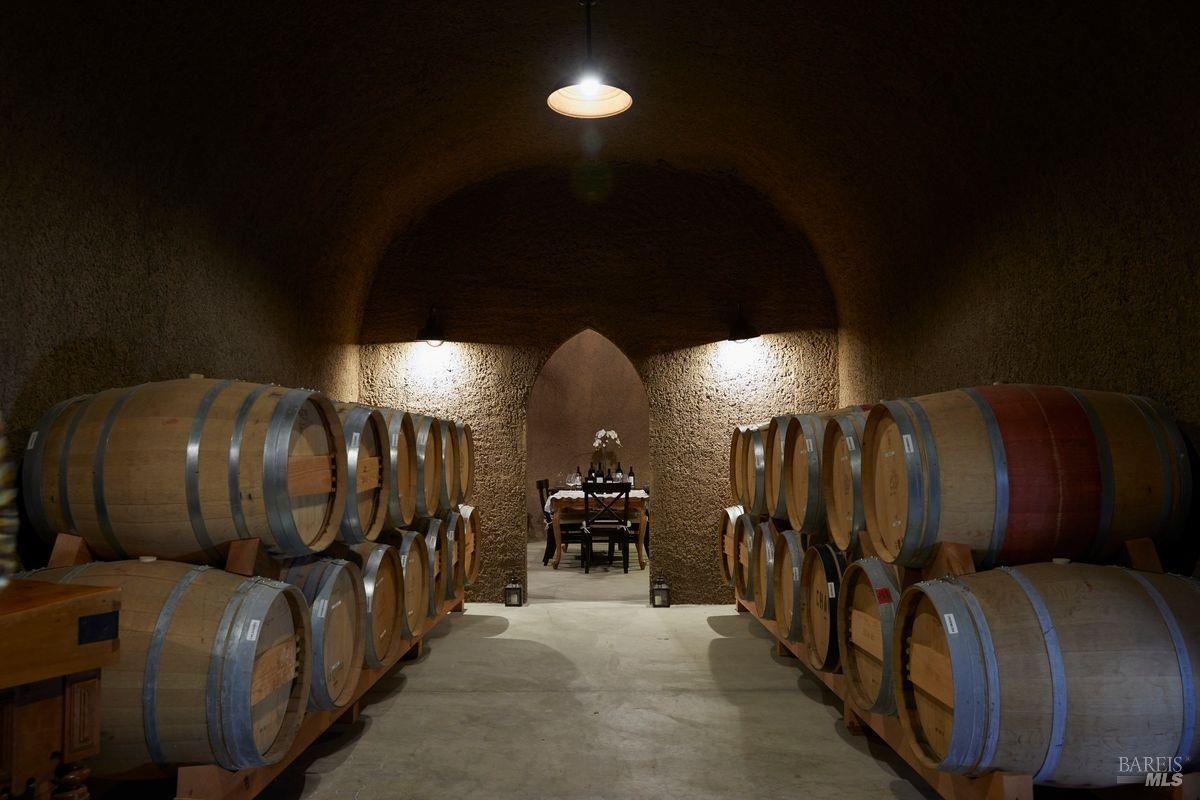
x=590, y=97
x=742, y=330
x=431, y=332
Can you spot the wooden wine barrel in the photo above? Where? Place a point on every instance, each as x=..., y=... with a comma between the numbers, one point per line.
x=866, y=613
x=402, y=444
x=744, y=534
x=802, y=473
x=789, y=597
x=429, y=464
x=456, y=543
x=754, y=472
x=213, y=667
x=440, y=562
x=448, y=488
x=726, y=521
x=775, y=443
x=369, y=466
x=820, y=585
x=737, y=461
x=1050, y=670
x=764, y=569
x=8, y=510
x=333, y=588
x=383, y=588
x=414, y=569
x=1021, y=474
x=466, y=461
x=179, y=468
x=841, y=476
x=472, y=543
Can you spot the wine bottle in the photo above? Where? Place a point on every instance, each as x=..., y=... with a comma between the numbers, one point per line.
x=578, y=476
x=608, y=477
x=620, y=475
x=632, y=477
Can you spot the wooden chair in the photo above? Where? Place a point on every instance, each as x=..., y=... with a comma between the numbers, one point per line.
x=606, y=518
x=570, y=530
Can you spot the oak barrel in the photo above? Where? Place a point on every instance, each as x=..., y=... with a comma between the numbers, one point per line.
x=456, y=542
x=333, y=588
x=179, y=468
x=472, y=543
x=754, y=471
x=789, y=599
x=466, y=461
x=737, y=460
x=744, y=534
x=8, y=510
x=1050, y=670
x=440, y=562
x=820, y=585
x=368, y=464
x=414, y=570
x=383, y=587
x=430, y=476
x=764, y=569
x=213, y=667
x=726, y=521
x=402, y=446
x=775, y=442
x=802, y=473
x=841, y=476
x=448, y=488
x=866, y=613
x=1022, y=473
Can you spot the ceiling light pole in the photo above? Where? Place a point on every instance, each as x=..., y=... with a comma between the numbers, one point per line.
x=589, y=97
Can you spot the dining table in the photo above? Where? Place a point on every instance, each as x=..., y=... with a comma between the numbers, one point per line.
x=570, y=502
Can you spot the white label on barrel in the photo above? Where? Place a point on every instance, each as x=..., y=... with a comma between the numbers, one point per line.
x=403, y=561
x=354, y=441
x=795, y=573
x=809, y=444
x=850, y=443
x=908, y=443
x=32, y=439
x=951, y=625
x=319, y=608
x=832, y=590
x=252, y=631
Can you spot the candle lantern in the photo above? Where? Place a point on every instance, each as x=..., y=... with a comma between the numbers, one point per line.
x=660, y=593
x=514, y=594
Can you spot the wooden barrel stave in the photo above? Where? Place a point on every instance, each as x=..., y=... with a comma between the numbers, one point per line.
x=744, y=534
x=448, y=487
x=776, y=442
x=737, y=461
x=179, y=468
x=213, y=667
x=754, y=471
x=866, y=613
x=789, y=597
x=456, y=542
x=402, y=448
x=466, y=461
x=429, y=474
x=333, y=588
x=1031, y=670
x=440, y=562
x=764, y=568
x=369, y=465
x=820, y=586
x=802, y=474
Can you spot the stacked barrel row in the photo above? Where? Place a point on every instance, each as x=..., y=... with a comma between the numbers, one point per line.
x=362, y=514
x=1034, y=664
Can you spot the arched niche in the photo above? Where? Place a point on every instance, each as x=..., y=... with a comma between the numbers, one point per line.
x=587, y=384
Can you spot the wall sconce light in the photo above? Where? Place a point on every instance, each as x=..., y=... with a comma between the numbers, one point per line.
x=589, y=97
x=431, y=332
x=660, y=593
x=742, y=330
x=514, y=594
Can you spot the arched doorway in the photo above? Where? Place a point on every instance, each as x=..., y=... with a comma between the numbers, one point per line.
x=588, y=384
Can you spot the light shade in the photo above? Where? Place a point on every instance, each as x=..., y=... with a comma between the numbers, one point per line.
x=589, y=99
x=431, y=332
x=742, y=330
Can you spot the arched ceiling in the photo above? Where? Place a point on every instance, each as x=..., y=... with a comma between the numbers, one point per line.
x=319, y=134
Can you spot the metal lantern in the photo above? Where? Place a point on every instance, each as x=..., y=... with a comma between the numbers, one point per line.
x=514, y=594
x=660, y=593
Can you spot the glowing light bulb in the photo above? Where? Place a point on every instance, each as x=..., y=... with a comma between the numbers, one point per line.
x=590, y=84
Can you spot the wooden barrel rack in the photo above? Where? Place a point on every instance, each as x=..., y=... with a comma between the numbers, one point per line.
x=210, y=782
x=955, y=559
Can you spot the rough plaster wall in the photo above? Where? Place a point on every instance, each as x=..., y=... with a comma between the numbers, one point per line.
x=586, y=385
x=696, y=397
x=487, y=386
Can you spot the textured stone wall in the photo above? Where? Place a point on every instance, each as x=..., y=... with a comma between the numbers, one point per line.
x=697, y=396
x=588, y=384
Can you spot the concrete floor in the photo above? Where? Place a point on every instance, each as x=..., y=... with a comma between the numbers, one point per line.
x=597, y=699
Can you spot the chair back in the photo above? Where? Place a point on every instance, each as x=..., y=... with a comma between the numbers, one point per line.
x=606, y=503
x=543, y=487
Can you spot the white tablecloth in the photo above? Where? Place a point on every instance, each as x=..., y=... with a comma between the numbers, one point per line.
x=577, y=494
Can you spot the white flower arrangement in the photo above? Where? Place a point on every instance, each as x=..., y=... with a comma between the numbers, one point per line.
x=606, y=438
